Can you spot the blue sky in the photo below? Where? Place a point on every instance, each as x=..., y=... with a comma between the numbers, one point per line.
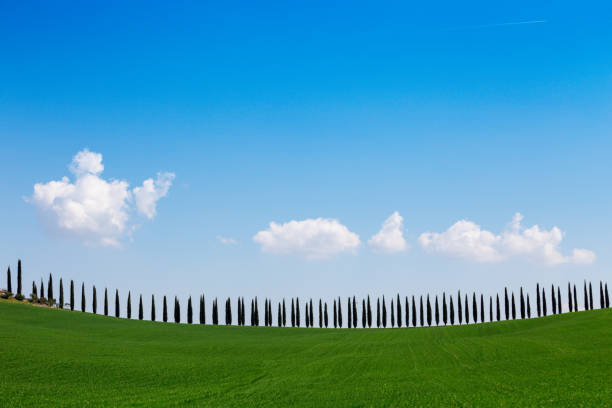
x=348, y=111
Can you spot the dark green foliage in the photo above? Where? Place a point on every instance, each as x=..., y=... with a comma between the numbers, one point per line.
x=459, y=310
x=606, y=295
x=177, y=310
x=339, y=313
x=34, y=290
x=384, y=313
x=71, y=295
x=325, y=315
x=349, y=309
x=50, y=288
x=467, y=310
x=378, y=312
x=474, y=308
x=590, y=296
x=94, y=301
x=320, y=314
x=428, y=311
x=559, y=310
x=414, y=315
x=498, y=311
x=586, y=298
x=490, y=308
x=293, y=313
x=19, y=278
x=284, y=314
x=141, y=311
x=513, y=308
x=117, y=311
x=129, y=305
x=575, y=299
x=444, y=311
x=522, y=304
x=482, y=312
x=9, y=286
x=82, y=298
x=601, y=296
x=569, y=297
x=422, y=317
x=336, y=315
x=406, y=313
x=105, y=300
x=297, y=312
x=553, y=299
x=528, y=307
x=437, y=312
x=228, y=312
x=364, y=314
x=256, y=312
x=153, y=308
x=165, y=310
x=451, y=311
x=279, y=317
x=538, y=300
x=354, y=312
x=307, y=315
x=392, y=314
x=312, y=317
x=42, y=289
x=61, y=296
x=369, y=313
x=506, y=304
x=203, y=310
x=543, y=302
x=189, y=310
x=399, y=311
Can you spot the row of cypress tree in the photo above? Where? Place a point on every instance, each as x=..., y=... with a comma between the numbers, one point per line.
x=406, y=313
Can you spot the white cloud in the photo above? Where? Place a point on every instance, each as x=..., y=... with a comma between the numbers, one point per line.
x=92, y=209
x=466, y=239
x=226, y=241
x=390, y=238
x=312, y=238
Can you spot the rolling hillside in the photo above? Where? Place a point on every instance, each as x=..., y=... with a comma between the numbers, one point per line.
x=62, y=358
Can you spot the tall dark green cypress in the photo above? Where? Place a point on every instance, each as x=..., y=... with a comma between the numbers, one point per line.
x=522, y=304
x=586, y=298
x=575, y=299
x=129, y=305
x=279, y=317
x=229, y=312
x=50, y=289
x=152, y=308
x=384, y=313
x=320, y=313
x=284, y=314
x=474, y=308
x=42, y=289
x=83, y=298
x=506, y=304
x=606, y=295
x=490, y=308
x=350, y=313
x=297, y=311
x=601, y=296
x=117, y=311
x=105, y=301
x=61, y=298
x=538, y=300
x=590, y=296
x=34, y=290
x=414, y=314
x=19, y=278
x=482, y=311
x=335, y=315
x=444, y=312
x=528, y=307
x=422, y=317
x=437, y=312
x=293, y=313
x=406, y=313
x=354, y=313
x=364, y=314
x=513, y=308
x=467, y=311
x=325, y=314
x=140, y=309
x=543, y=302
x=203, y=313
x=177, y=310
x=392, y=313
x=189, y=310
x=399, y=311
x=559, y=310
x=451, y=311
x=165, y=310
x=94, y=302
x=553, y=299
x=459, y=310
x=498, y=311
x=339, y=313
x=307, y=315
x=9, y=286
x=569, y=297
x=369, y=313
x=71, y=295
x=378, y=312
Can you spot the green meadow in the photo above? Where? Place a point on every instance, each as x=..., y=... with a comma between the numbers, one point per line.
x=60, y=358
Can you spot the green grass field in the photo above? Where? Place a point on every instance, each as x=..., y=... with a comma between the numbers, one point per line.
x=62, y=358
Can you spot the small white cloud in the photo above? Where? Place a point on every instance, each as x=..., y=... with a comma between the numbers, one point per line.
x=92, y=209
x=467, y=240
x=226, y=241
x=311, y=238
x=390, y=238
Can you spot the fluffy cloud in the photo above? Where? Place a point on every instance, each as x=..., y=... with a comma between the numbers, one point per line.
x=226, y=241
x=312, y=238
x=390, y=238
x=92, y=209
x=468, y=240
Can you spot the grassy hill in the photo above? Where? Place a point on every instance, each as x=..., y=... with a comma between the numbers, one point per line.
x=61, y=358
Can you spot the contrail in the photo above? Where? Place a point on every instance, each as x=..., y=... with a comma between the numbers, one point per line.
x=500, y=24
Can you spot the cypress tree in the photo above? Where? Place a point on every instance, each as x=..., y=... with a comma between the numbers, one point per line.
x=459, y=311
x=538, y=300
x=153, y=308
x=339, y=313
x=177, y=310
x=497, y=307
x=392, y=313
x=384, y=313
x=293, y=313
x=42, y=289
x=9, y=286
x=543, y=302
x=506, y=304
x=575, y=299
x=105, y=300
x=229, y=312
x=34, y=290
x=265, y=312
x=513, y=308
x=467, y=311
x=399, y=311
x=559, y=310
x=428, y=311
x=590, y=296
x=474, y=308
x=307, y=316
x=406, y=314
x=94, y=303
x=364, y=314
x=607, y=296
x=117, y=313
x=482, y=312
x=490, y=308
x=49, y=289
x=444, y=312
x=297, y=312
x=141, y=311
x=243, y=313
x=61, y=299
x=252, y=313
x=129, y=305
x=586, y=298
x=528, y=307
x=83, y=298
x=279, y=317
x=369, y=313
x=19, y=278
x=284, y=314
x=422, y=317
x=414, y=315
x=378, y=312
x=320, y=314
x=202, y=314
x=553, y=299
x=522, y=304
x=256, y=312
x=71, y=295
x=569, y=297
x=350, y=313
x=601, y=296
x=325, y=315
x=354, y=313
x=452, y=311
x=335, y=315
x=165, y=310
x=437, y=311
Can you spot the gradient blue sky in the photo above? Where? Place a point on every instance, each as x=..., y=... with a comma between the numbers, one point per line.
x=279, y=112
